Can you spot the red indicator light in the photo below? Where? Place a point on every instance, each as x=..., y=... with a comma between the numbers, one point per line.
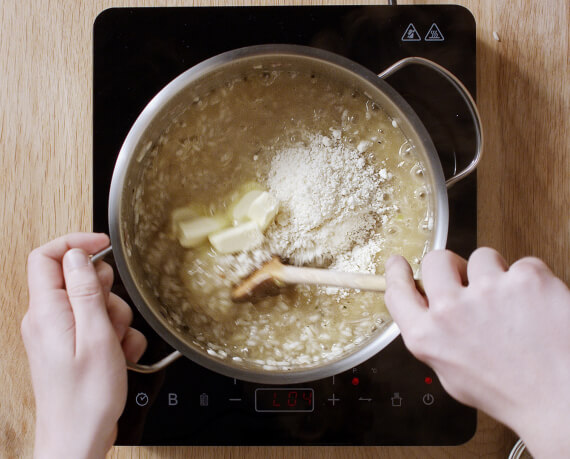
x=355, y=381
x=428, y=380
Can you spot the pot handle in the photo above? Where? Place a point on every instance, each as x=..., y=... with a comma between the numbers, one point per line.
x=137, y=367
x=458, y=85
x=161, y=364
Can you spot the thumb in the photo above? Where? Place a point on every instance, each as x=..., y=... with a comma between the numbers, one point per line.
x=405, y=304
x=86, y=297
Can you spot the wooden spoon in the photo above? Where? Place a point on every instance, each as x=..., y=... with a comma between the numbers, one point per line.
x=273, y=275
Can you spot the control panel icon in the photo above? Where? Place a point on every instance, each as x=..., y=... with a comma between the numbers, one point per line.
x=204, y=400
x=333, y=399
x=172, y=399
x=141, y=399
x=428, y=399
x=396, y=399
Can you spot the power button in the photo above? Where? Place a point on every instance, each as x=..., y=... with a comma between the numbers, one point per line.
x=428, y=399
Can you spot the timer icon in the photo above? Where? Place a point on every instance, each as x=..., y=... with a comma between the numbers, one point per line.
x=141, y=399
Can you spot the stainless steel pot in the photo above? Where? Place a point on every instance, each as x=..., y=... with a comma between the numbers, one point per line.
x=212, y=73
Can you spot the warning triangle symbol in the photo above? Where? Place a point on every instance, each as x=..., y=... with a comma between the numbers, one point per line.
x=434, y=34
x=411, y=34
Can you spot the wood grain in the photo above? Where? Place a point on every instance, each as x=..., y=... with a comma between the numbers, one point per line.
x=45, y=164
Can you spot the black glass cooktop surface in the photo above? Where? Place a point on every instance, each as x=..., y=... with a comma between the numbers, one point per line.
x=392, y=399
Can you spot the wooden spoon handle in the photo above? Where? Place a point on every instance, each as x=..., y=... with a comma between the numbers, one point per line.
x=301, y=275
x=315, y=276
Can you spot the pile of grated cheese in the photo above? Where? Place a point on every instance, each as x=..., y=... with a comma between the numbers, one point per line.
x=332, y=202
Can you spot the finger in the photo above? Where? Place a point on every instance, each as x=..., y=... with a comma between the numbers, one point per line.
x=532, y=264
x=442, y=272
x=86, y=298
x=404, y=302
x=485, y=263
x=106, y=276
x=120, y=315
x=52, y=323
x=44, y=263
x=134, y=345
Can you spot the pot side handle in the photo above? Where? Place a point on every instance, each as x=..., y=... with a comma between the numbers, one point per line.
x=458, y=85
x=147, y=369
x=137, y=367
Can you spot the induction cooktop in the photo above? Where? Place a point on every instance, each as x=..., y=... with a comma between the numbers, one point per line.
x=392, y=399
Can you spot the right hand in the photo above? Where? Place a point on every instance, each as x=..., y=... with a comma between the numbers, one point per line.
x=498, y=338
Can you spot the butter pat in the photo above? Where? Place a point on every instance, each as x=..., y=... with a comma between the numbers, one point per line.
x=244, y=236
x=184, y=214
x=239, y=211
x=263, y=210
x=194, y=231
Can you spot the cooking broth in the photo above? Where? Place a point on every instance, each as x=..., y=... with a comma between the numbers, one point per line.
x=351, y=192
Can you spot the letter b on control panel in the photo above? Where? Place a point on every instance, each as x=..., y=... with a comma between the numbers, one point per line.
x=172, y=399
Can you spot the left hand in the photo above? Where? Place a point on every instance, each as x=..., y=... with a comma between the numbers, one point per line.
x=77, y=337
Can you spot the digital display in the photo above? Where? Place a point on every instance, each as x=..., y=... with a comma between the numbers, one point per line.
x=284, y=399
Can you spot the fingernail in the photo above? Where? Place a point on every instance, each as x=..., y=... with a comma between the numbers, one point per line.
x=75, y=258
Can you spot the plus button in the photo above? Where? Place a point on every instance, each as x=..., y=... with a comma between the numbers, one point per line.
x=333, y=399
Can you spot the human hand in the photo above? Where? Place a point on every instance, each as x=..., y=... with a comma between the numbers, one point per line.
x=77, y=337
x=497, y=337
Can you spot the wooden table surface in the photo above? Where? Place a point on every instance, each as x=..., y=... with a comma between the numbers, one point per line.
x=45, y=186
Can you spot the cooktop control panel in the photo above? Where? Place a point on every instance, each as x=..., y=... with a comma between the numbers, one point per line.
x=390, y=400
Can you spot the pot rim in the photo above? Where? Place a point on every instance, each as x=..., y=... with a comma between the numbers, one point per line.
x=405, y=117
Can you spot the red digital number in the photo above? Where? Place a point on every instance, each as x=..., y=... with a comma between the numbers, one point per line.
x=275, y=402
x=308, y=397
x=292, y=398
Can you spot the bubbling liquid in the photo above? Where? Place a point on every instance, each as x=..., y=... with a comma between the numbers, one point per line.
x=352, y=192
